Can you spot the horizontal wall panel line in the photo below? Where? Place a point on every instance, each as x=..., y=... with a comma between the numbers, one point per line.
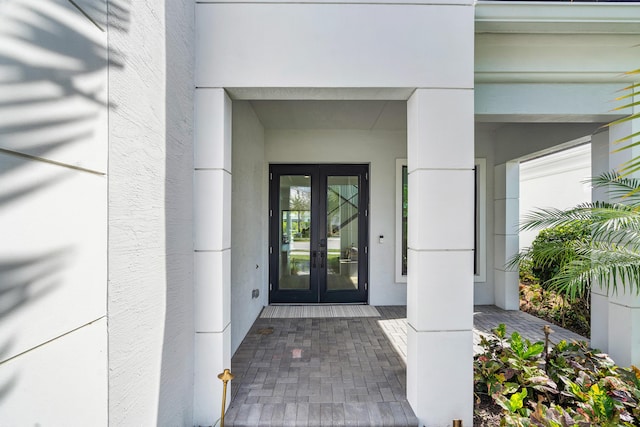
x=440, y=250
x=213, y=169
x=54, y=339
x=212, y=250
x=442, y=169
x=215, y=332
x=52, y=162
x=439, y=330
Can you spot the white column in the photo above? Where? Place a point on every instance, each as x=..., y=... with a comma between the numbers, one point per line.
x=212, y=245
x=440, y=145
x=505, y=226
x=599, y=298
x=624, y=307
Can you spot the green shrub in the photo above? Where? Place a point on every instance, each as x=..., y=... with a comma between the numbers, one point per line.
x=553, y=248
x=525, y=271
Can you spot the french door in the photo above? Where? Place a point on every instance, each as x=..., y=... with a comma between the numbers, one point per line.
x=318, y=233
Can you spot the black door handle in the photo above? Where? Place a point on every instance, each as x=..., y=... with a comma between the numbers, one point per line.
x=313, y=259
x=321, y=259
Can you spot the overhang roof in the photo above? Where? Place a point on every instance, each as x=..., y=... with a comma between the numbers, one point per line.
x=557, y=17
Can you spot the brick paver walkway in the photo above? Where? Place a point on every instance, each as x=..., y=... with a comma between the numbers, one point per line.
x=339, y=371
x=487, y=317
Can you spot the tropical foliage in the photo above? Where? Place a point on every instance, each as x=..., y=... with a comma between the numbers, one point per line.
x=609, y=254
x=569, y=385
x=563, y=236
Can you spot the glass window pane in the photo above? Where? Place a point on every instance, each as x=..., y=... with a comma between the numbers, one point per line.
x=342, y=232
x=295, y=226
x=405, y=201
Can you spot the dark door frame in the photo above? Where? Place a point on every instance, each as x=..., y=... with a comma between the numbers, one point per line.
x=318, y=292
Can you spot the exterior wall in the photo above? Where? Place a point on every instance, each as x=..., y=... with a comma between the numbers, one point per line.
x=379, y=149
x=565, y=173
x=324, y=45
x=53, y=214
x=175, y=400
x=150, y=299
x=249, y=225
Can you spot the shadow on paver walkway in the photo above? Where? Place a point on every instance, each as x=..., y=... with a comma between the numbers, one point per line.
x=339, y=371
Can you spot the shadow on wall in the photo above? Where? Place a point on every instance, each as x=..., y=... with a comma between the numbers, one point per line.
x=53, y=102
x=23, y=281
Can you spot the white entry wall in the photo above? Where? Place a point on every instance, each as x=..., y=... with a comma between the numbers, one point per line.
x=379, y=149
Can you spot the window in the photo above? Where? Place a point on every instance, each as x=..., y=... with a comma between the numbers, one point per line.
x=401, y=220
x=479, y=240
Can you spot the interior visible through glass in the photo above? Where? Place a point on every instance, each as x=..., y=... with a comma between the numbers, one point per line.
x=342, y=233
x=295, y=226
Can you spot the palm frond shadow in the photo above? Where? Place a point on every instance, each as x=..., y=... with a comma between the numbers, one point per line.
x=54, y=59
x=24, y=281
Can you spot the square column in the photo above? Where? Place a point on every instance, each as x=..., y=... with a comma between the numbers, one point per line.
x=212, y=245
x=440, y=159
x=623, y=311
x=600, y=153
x=506, y=217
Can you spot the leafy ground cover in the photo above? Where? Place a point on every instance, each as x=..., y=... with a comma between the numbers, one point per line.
x=519, y=383
x=554, y=308
x=549, y=305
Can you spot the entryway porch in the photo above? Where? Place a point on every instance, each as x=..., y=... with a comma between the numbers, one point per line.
x=340, y=371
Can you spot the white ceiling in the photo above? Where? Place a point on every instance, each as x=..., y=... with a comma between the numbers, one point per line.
x=372, y=115
x=367, y=115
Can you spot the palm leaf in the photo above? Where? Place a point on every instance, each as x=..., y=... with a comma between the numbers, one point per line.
x=618, y=187
x=611, y=266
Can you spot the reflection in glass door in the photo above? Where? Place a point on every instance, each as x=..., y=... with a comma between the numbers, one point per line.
x=295, y=230
x=318, y=233
x=342, y=232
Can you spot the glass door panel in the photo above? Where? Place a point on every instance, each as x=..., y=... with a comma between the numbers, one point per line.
x=294, y=232
x=342, y=233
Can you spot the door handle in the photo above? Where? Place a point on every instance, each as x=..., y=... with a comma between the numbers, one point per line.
x=321, y=259
x=313, y=259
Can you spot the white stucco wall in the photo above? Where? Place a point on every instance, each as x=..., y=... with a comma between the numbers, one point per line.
x=556, y=181
x=249, y=225
x=53, y=215
x=150, y=300
x=380, y=149
x=332, y=45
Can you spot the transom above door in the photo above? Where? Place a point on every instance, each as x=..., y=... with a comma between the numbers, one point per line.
x=318, y=234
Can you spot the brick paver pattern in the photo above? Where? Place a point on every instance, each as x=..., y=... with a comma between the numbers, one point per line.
x=339, y=371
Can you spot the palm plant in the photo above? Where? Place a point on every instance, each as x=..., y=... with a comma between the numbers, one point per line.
x=610, y=255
